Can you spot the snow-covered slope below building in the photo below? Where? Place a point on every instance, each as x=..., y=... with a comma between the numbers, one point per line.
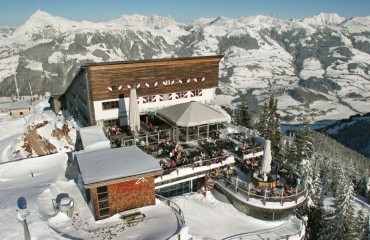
x=41, y=133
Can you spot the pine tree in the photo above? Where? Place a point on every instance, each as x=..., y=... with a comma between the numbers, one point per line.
x=269, y=127
x=362, y=225
x=339, y=223
x=274, y=125
x=325, y=179
x=244, y=118
x=304, y=142
x=262, y=122
x=315, y=224
x=291, y=154
x=316, y=209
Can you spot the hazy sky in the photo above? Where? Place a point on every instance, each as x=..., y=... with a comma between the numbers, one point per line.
x=16, y=12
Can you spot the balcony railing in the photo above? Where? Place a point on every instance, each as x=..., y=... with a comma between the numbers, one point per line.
x=248, y=192
x=179, y=213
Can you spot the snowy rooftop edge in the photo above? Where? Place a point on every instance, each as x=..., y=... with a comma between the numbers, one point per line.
x=109, y=164
x=19, y=105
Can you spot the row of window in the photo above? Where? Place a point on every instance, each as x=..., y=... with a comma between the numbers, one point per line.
x=165, y=83
x=156, y=98
x=76, y=111
x=110, y=105
x=172, y=96
x=80, y=98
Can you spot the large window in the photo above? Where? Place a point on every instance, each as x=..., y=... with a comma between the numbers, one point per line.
x=110, y=105
x=111, y=123
x=197, y=92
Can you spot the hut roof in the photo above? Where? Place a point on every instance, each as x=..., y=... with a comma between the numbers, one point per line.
x=94, y=137
x=110, y=164
x=19, y=105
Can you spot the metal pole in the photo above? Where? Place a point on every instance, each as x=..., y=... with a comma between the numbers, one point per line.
x=27, y=235
x=249, y=190
x=282, y=196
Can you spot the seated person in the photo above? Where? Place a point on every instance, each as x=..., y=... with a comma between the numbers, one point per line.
x=287, y=188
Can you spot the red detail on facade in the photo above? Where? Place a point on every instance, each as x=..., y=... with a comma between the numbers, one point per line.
x=128, y=187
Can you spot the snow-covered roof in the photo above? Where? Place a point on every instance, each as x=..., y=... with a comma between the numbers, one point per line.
x=19, y=105
x=191, y=114
x=94, y=138
x=110, y=164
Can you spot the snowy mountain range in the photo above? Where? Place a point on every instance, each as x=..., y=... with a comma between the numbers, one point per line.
x=318, y=67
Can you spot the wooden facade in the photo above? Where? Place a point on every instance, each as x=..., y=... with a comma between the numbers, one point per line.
x=180, y=72
x=122, y=195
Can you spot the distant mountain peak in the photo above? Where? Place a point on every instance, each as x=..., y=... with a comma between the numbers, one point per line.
x=137, y=20
x=41, y=19
x=325, y=19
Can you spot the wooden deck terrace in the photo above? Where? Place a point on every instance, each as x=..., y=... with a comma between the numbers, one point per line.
x=276, y=199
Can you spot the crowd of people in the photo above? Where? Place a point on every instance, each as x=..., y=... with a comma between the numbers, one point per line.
x=113, y=130
x=181, y=157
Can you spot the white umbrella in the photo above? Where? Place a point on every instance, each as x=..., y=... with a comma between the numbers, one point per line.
x=266, y=161
x=134, y=117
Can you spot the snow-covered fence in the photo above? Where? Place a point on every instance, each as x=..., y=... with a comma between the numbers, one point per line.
x=294, y=228
x=179, y=213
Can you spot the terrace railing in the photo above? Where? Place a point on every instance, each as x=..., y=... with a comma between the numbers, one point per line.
x=288, y=230
x=248, y=192
x=194, y=166
x=179, y=213
x=148, y=138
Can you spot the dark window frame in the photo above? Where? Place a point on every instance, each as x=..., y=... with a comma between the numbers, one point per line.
x=110, y=105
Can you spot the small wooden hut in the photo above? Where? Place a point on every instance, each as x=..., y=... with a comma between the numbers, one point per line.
x=19, y=109
x=116, y=180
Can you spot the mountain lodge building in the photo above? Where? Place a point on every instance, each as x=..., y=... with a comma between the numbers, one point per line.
x=99, y=92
